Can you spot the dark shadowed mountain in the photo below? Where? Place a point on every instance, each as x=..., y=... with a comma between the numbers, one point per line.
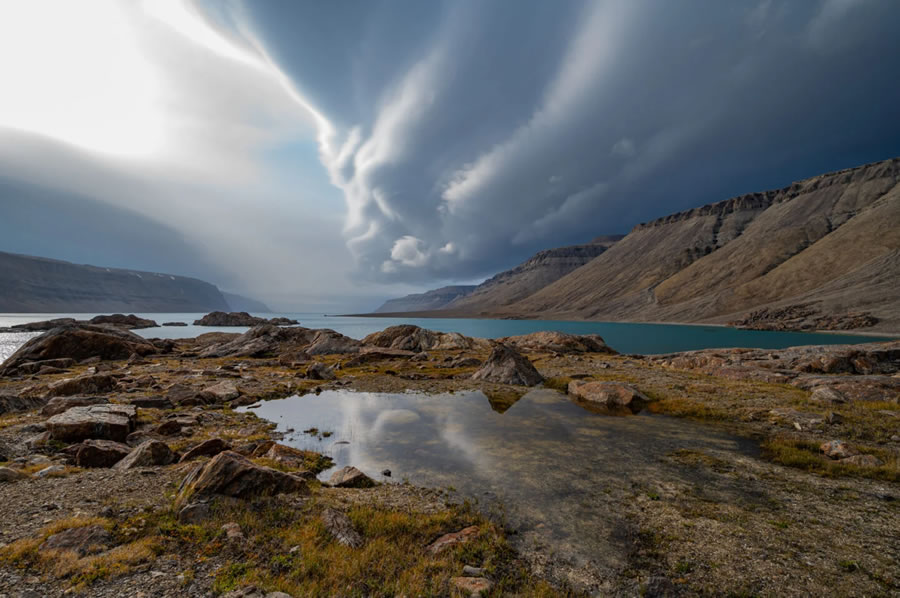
x=36, y=284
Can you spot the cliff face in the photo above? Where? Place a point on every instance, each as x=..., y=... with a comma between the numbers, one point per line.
x=34, y=284
x=431, y=300
x=831, y=240
x=527, y=278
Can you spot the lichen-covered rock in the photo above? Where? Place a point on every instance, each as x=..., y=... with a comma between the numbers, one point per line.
x=78, y=342
x=107, y=422
x=231, y=474
x=221, y=392
x=558, y=342
x=350, y=477
x=607, y=394
x=505, y=365
x=838, y=449
x=146, y=454
x=413, y=338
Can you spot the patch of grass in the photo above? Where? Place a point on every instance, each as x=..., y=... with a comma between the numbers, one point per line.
x=804, y=454
x=560, y=383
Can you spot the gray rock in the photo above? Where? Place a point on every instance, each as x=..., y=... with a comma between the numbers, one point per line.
x=507, y=366
x=58, y=405
x=49, y=471
x=341, y=528
x=10, y=475
x=319, y=371
x=194, y=513
x=100, y=453
x=91, y=384
x=607, y=394
x=148, y=453
x=350, y=477
x=108, y=422
x=90, y=539
x=207, y=448
x=232, y=474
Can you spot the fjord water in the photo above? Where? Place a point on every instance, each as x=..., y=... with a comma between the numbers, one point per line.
x=622, y=336
x=557, y=469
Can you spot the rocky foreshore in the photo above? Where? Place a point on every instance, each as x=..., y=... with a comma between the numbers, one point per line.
x=125, y=469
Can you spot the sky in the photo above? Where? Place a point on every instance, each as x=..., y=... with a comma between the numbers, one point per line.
x=324, y=156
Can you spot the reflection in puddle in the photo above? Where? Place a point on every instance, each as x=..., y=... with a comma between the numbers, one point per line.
x=558, y=469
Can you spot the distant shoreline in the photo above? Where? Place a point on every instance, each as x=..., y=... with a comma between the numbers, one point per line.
x=457, y=316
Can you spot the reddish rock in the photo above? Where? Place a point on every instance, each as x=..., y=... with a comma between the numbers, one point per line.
x=838, y=449
x=474, y=586
x=607, y=394
x=452, y=539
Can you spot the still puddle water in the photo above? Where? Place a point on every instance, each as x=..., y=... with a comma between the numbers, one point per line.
x=558, y=470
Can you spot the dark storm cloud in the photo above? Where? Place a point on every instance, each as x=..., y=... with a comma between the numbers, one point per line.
x=467, y=134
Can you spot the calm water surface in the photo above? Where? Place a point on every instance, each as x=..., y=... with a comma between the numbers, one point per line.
x=624, y=337
x=557, y=470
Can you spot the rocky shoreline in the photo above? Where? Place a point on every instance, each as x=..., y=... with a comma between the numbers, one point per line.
x=125, y=467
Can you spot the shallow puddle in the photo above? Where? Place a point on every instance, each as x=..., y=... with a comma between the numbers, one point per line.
x=560, y=472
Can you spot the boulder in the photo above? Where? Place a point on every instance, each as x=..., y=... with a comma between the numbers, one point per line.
x=78, y=342
x=221, y=392
x=329, y=342
x=181, y=394
x=91, y=384
x=838, y=449
x=58, y=405
x=452, y=539
x=146, y=454
x=235, y=318
x=341, y=528
x=100, y=453
x=10, y=475
x=13, y=404
x=231, y=474
x=286, y=455
x=824, y=394
x=207, y=448
x=260, y=341
x=350, y=477
x=319, y=371
x=170, y=427
x=90, y=539
x=413, y=338
x=607, y=394
x=107, y=422
x=507, y=366
x=558, y=342
x=130, y=321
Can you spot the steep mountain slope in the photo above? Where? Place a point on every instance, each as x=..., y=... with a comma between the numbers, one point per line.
x=35, y=284
x=830, y=239
x=240, y=303
x=525, y=279
x=430, y=300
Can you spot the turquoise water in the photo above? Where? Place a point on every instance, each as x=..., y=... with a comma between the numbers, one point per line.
x=624, y=337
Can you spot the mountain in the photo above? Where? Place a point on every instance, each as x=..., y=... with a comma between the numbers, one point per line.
x=36, y=284
x=529, y=277
x=428, y=301
x=830, y=243
x=240, y=303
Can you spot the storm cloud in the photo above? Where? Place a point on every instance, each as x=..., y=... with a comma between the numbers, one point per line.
x=466, y=134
